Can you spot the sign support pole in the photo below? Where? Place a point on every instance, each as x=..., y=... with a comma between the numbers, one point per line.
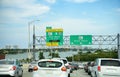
x=118, y=45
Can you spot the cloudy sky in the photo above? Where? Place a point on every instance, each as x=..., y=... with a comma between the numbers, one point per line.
x=76, y=17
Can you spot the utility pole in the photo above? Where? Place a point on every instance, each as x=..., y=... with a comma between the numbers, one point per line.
x=29, y=52
x=34, y=42
x=118, y=45
x=29, y=33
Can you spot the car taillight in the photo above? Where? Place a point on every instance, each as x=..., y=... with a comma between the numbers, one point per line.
x=99, y=68
x=13, y=68
x=63, y=69
x=35, y=68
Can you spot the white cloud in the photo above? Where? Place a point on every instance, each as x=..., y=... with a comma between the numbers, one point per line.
x=51, y=1
x=82, y=1
x=18, y=9
x=77, y=26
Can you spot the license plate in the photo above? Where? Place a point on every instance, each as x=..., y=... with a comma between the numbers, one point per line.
x=49, y=72
x=111, y=70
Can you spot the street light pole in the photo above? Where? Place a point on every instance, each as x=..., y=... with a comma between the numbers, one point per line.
x=29, y=53
x=29, y=23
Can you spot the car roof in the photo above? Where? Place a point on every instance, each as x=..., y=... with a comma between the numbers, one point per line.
x=51, y=60
x=108, y=59
x=60, y=58
x=8, y=60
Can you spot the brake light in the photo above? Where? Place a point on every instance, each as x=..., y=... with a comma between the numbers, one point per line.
x=35, y=68
x=13, y=68
x=63, y=69
x=99, y=68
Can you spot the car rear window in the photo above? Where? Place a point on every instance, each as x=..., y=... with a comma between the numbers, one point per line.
x=6, y=62
x=110, y=63
x=50, y=64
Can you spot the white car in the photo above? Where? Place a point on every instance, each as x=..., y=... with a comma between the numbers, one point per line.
x=80, y=66
x=10, y=67
x=90, y=66
x=31, y=65
x=66, y=63
x=50, y=68
x=106, y=67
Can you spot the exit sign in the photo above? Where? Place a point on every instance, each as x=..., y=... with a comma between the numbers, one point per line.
x=80, y=39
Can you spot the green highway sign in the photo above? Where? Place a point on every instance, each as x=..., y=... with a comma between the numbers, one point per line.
x=54, y=37
x=81, y=40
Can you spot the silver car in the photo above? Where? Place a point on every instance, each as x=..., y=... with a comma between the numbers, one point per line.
x=10, y=67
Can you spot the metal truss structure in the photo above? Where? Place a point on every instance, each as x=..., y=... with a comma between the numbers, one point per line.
x=100, y=40
x=96, y=40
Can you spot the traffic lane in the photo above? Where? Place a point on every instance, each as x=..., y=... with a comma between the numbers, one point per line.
x=27, y=74
x=76, y=73
x=79, y=73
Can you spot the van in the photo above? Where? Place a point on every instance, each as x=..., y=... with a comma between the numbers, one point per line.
x=106, y=67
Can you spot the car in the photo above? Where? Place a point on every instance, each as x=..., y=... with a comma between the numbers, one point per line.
x=10, y=67
x=66, y=63
x=90, y=68
x=74, y=66
x=50, y=68
x=86, y=66
x=31, y=65
x=81, y=66
x=106, y=67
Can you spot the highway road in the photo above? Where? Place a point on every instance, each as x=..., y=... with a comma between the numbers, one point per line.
x=78, y=73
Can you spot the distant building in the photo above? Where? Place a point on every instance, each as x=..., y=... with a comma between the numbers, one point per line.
x=11, y=47
x=2, y=56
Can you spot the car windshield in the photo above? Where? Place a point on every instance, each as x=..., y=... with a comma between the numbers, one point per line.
x=110, y=63
x=65, y=61
x=50, y=64
x=6, y=62
x=33, y=63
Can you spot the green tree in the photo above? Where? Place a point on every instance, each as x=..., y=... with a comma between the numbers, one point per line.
x=41, y=56
x=53, y=54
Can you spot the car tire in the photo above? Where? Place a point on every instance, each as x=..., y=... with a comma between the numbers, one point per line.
x=68, y=75
x=16, y=75
x=30, y=70
x=89, y=73
x=95, y=75
x=21, y=74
